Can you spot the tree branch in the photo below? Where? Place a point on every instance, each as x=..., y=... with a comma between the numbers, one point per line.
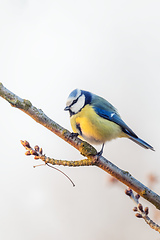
x=85, y=148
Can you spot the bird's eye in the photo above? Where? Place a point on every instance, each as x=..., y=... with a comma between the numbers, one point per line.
x=74, y=101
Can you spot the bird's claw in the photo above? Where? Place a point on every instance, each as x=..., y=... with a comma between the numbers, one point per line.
x=72, y=135
x=101, y=151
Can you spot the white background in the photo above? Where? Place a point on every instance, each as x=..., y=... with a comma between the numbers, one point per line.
x=48, y=48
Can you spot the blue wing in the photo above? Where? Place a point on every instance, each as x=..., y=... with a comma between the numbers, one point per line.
x=114, y=117
x=107, y=111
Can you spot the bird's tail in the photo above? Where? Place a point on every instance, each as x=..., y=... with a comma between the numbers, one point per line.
x=141, y=143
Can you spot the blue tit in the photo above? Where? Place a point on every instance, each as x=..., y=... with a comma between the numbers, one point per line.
x=96, y=120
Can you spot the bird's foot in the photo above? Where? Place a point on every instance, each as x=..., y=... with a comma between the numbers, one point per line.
x=101, y=151
x=72, y=135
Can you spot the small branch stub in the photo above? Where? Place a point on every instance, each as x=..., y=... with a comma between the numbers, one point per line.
x=140, y=213
x=37, y=153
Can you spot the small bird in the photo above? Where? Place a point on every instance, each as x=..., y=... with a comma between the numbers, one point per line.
x=96, y=120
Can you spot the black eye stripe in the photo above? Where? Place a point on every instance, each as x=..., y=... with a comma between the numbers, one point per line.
x=74, y=101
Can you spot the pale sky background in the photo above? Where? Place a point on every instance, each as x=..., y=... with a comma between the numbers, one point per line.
x=48, y=48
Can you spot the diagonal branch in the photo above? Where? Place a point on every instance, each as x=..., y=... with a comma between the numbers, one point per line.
x=85, y=148
x=39, y=116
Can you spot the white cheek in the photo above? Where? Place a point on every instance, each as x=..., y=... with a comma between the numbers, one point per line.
x=78, y=105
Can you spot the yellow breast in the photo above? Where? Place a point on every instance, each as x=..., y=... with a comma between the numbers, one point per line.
x=94, y=128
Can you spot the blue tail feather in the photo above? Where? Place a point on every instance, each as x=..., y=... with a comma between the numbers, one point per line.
x=141, y=143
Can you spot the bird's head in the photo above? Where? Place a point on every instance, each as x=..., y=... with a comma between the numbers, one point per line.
x=77, y=100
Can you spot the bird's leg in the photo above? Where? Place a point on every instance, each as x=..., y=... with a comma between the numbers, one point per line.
x=100, y=153
x=72, y=135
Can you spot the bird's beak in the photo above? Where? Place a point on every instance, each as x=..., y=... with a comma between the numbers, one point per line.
x=66, y=108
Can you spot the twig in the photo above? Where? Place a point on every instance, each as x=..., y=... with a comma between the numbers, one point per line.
x=139, y=209
x=38, y=154
x=44, y=158
x=62, y=173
